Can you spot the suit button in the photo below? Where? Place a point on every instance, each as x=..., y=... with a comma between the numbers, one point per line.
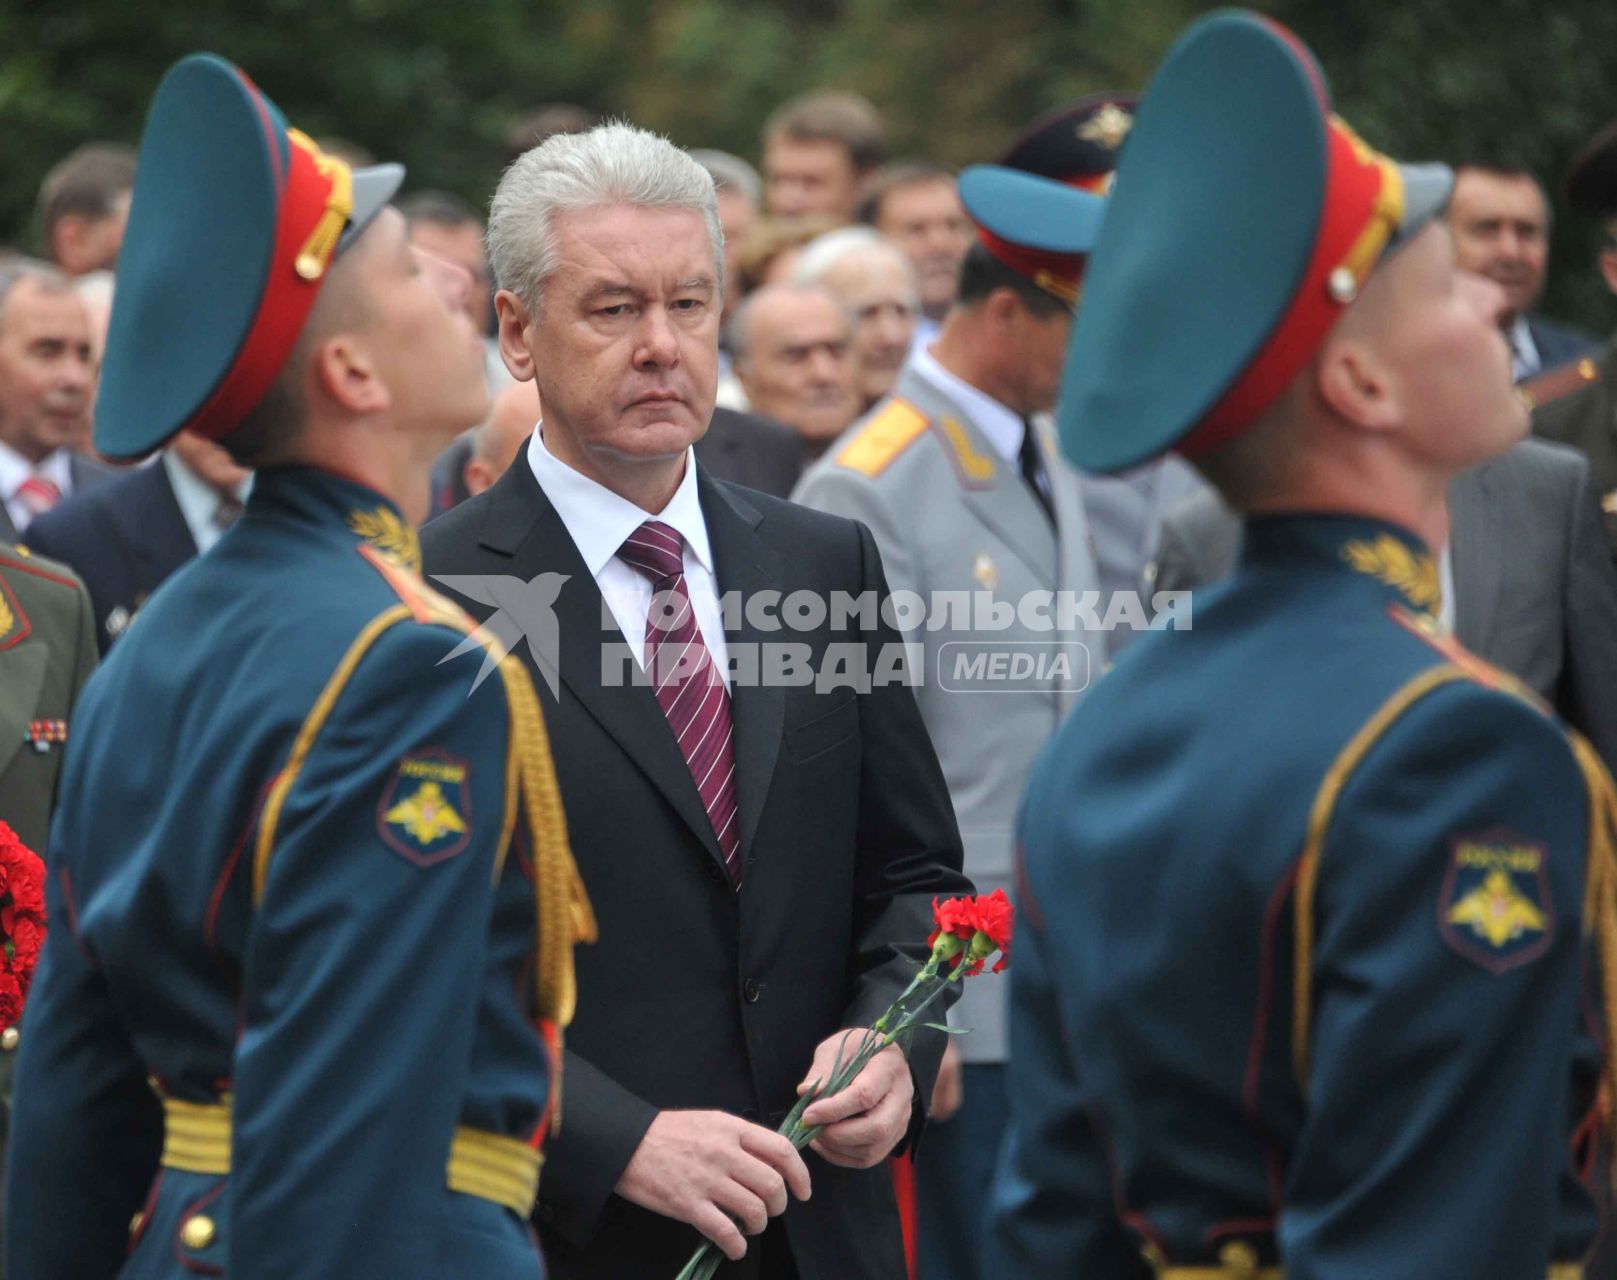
x=750, y=1113
x=713, y=872
x=198, y=1232
x=751, y=990
x=545, y=1213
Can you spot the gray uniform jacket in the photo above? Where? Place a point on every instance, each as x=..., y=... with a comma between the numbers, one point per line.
x=951, y=516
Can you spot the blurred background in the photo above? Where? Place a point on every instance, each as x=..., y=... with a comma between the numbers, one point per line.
x=441, y=85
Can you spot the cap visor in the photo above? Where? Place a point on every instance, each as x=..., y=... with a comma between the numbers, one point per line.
x=373, y=188
x=1034, y=212
x=1427, y=188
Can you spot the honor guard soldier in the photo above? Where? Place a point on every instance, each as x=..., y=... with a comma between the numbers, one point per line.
x=311, y=906
x=1577, y=404
x=1304, y=887
x=955, y=475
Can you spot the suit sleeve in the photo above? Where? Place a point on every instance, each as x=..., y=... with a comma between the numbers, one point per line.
x=909, y=848
x=1588, y=694
x=604, y=1125
x=363, y=967
x=86, y=1135
x=1444, y=989
x=1052, y=1211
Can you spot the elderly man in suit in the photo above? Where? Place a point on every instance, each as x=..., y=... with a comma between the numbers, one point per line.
x=124, y=538
x=761, y=851
x=47, y=383
x=965, y=498
x=1527, y=580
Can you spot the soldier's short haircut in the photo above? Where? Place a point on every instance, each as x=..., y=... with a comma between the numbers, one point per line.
x=981, y=274
x=832, y=115
x=895, y=177
x=441, y=208
x=86, y=183
x=612, y=164
x=17, y=269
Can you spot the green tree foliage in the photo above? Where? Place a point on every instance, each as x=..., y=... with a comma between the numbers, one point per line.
x=437, y=85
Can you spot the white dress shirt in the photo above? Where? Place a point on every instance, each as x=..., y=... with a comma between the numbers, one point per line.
x=198, y=500
x=601, y=521
x=15, y=471
x=1524, y=358
x=1003, y=428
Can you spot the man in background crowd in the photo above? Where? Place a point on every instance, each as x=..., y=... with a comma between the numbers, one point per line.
x=740, y=191
x=47, y=378
x=1500, y=219
x=917, y=207
x=1577, y=404
x=875, y=283
x=818, y=150
x=952, y=478
x=125, y=537
x=495, y=443
x=793, y=355
x=83, y=205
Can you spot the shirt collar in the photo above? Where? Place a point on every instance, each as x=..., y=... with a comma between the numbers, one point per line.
x=15, y=469
x=1522, y=347
x=1002, y=428
x=198, y=500
x=600, y=521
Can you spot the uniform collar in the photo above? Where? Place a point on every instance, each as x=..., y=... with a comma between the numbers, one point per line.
x=309, y=495
x=1374, y=550
x=1001, y=426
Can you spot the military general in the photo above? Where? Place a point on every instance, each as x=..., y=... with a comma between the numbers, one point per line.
x=311, y=906
x=1305, y=887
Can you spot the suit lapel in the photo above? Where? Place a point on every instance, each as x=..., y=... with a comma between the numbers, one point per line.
x=154, y=530
x=1475, y=549
x=522, y=523
x=745, y=564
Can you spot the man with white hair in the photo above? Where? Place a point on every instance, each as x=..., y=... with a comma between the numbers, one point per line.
x=875, y=282
x=762, y=857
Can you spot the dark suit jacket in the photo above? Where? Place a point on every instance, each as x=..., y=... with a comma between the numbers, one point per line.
x=123, y=538
x=86, y=473
x=1558, y=343
x=750, y=450
x=697, y=996
x=1534, y=588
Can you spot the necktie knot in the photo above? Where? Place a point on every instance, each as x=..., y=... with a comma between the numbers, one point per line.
x=39, y=494
x=656, y=550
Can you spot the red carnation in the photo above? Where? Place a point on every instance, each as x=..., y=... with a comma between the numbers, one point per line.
x=997, y=918
x=22, y=922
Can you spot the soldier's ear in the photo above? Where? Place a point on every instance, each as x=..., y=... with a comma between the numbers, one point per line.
x=345, y=374
x=1355, y=385
x=515, y=326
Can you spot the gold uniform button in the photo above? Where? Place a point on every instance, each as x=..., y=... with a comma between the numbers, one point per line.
x=136, y=1223
x=198, y=1232
x=10, y=1038
x=1239, y=1258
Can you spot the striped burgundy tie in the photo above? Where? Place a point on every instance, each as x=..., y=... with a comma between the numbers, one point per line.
x=690, y=689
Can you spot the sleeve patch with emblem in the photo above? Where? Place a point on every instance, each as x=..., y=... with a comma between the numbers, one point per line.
x=426, y=808
x=1495, y=909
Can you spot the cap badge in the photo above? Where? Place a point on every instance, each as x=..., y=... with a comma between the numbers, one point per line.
x=1107, y=127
